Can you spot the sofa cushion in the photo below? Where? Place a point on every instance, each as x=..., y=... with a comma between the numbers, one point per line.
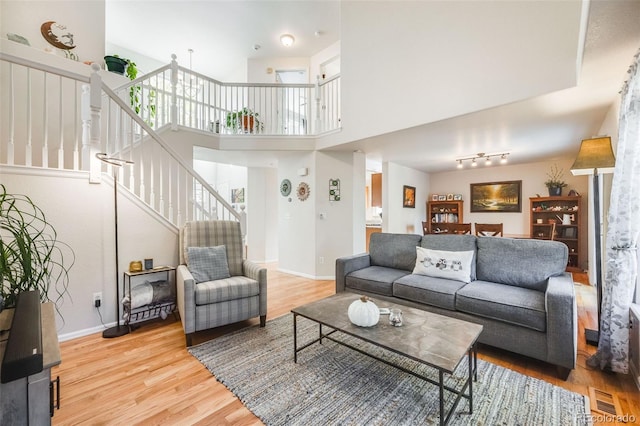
x=397, y=251
x=227, y=289
x=208, y=263
x=428, y=290
x=451, y=265
x=453, y=243
x=520, y=262
x=514, y=305
x=376, y=279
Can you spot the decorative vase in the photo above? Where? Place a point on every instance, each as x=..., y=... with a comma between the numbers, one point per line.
x=116, y=65
x=363, y=312
x=555, y=191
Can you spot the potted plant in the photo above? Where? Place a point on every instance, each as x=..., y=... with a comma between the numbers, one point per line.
x=244, y=120
x=555, y=183
x=129, y=69
x=117, y=64
x=31, y=257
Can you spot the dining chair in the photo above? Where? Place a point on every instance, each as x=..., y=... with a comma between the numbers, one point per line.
x=488, y=229
x=425, y=228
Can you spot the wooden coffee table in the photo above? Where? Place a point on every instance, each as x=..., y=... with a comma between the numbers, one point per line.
x=435, y=340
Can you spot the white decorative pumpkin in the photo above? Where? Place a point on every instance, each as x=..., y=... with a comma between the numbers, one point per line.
x=363, y=312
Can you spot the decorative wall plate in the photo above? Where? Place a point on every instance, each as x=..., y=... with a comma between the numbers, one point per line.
x=285, y=187
x=334, y=189
x=57, y=35
x=303, y=191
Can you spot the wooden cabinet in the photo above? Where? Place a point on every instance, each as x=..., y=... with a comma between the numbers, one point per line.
x=558, y=218
x=372, y=230
x=439, y=212
x=32, y=400
x=376, y=190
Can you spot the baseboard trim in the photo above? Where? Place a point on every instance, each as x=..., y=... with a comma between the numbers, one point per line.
x=85, y=332
x=311, y=277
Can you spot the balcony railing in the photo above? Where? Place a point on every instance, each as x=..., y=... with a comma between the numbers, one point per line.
x=176, y=96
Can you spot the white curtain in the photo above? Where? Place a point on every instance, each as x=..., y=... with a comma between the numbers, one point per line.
x=623, y=233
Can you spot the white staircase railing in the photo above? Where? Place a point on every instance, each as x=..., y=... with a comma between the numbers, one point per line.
x=52, y=118
x=180, y=97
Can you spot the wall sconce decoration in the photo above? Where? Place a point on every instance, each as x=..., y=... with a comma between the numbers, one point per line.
x=334, y=189
x=303, y=191
x=482, y=156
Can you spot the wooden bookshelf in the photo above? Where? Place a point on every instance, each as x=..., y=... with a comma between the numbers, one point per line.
x=440, y=212
x=546, y=211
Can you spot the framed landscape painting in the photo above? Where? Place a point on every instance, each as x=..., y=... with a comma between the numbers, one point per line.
x=409, y=196
x=502, y=197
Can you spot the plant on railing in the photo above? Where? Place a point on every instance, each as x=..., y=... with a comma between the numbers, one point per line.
x=244, y=121
x=31, y=257
x=135, y=91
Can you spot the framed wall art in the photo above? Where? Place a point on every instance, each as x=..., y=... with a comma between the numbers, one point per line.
x=237, y=195
x=505, y=197
x=409, y=196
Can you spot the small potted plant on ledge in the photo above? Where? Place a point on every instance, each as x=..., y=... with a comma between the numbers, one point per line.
x=555, y=183
x=244, y=120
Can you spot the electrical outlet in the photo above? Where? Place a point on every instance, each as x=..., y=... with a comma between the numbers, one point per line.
x=97, y=299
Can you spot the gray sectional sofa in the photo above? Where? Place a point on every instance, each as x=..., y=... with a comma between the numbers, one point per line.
x=517, y=288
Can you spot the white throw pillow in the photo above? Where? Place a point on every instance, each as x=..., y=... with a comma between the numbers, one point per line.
x=452, y=265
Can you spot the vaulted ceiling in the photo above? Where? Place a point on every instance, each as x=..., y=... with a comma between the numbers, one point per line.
x=535, y=117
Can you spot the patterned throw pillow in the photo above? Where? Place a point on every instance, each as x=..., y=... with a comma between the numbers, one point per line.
x=452, y=265
x=208, y=263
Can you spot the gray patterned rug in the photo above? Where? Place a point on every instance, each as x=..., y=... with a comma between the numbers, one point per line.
x=332, y=384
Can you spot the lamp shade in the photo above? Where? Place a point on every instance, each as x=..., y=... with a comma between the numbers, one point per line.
x=594, y=154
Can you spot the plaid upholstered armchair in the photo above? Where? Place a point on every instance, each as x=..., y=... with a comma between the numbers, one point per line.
x=215, y=285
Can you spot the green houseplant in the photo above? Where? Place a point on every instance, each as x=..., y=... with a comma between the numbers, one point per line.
x=129, y=69
x=245, y=120
x=31, y=256
x=555, y=183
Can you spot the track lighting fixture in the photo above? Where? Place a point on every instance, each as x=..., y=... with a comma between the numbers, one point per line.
x=482, y=155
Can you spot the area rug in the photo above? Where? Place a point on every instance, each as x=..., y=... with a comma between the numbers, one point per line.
x=334, y=385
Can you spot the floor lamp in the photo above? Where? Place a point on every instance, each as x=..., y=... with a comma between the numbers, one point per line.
x=595, y=158
x=117, y=330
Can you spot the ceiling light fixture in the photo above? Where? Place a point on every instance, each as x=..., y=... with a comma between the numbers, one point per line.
x=287, y=40
x=482, y=155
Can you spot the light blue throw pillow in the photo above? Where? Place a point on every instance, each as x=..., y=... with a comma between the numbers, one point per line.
x=208, y=263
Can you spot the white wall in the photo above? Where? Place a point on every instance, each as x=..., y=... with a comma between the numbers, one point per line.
x=320, y=58
x=82, y=215
x=395, y=217
x=335, y=221
x=84, y=19
x=384, y=42
x=296, y=219
x=359, y=207
x=533, y=176
x=257, y=68
x=262, y=214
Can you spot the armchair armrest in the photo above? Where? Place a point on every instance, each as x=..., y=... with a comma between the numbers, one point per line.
x=348, y=264
x=186, y=298
x=258, y=273
x=562, y=321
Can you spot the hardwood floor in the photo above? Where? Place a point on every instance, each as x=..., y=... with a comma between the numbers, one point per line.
x=148, y=377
